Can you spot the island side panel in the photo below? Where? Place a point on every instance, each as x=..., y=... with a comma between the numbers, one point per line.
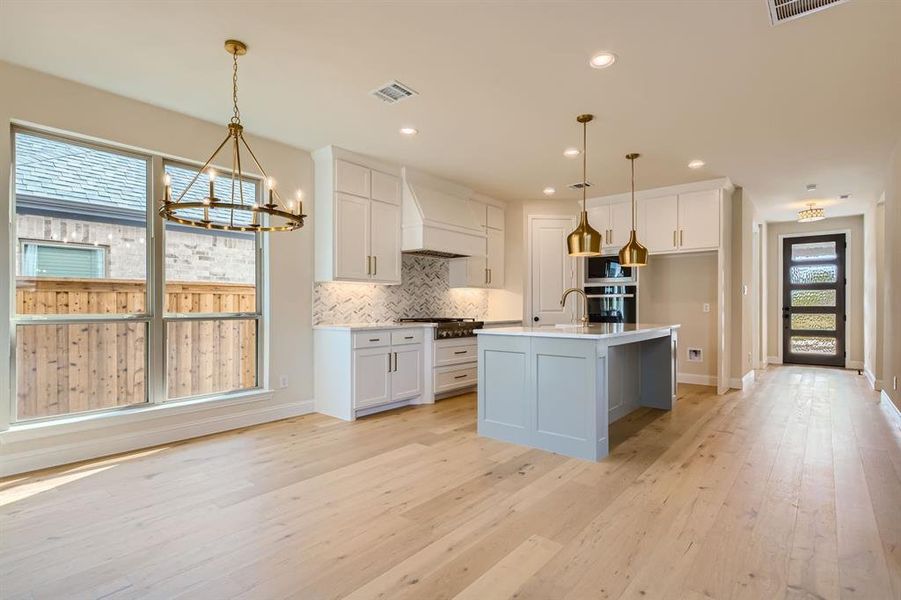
x=504, y=393
x=564, y=373
x=623, y=379
x=658, y=372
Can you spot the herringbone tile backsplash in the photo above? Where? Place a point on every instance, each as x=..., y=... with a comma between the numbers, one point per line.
x=423, y=293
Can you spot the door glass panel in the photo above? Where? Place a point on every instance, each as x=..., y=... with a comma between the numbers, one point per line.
x=206, y=357
x=822, y=322
x=813, y=297
x=815, y=251
x=72, y=368
x=805, y=274
x=809, y=344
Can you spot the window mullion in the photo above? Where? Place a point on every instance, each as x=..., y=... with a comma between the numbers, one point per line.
x=156, y=351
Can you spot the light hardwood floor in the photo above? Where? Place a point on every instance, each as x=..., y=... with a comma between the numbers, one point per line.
x=791, y=490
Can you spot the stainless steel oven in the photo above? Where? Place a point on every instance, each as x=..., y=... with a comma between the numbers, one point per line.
x=612, y=304
x=606, y=270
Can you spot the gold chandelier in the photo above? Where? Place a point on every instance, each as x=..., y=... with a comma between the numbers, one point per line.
x=234, y=213
x=811, y=213
x=633, y=254
x=584, y=240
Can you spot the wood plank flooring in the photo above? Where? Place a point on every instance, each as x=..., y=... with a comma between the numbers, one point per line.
x=789, y=490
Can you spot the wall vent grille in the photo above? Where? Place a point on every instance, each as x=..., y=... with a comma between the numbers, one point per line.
x=579, y=185
x=788, y=10
x=393, y=92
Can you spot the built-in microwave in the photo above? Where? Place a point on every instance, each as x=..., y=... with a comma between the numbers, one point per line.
x=606, y=270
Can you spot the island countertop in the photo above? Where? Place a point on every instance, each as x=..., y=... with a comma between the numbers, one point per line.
x=596, y=331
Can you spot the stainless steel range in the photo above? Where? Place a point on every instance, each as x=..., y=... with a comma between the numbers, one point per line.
x=446, y=327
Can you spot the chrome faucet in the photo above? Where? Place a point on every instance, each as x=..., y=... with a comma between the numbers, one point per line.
x=584, y=318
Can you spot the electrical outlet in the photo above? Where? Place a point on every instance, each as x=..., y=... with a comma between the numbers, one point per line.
x=283, y=381
x=706, y=307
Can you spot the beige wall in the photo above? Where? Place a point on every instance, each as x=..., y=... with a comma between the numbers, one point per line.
x=673, y=289
x=744, y=305
x=891, y=358
x=855, y=274
x=29, y=96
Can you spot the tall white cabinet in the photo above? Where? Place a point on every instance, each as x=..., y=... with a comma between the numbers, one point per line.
x=357, y=218
x=484, y=271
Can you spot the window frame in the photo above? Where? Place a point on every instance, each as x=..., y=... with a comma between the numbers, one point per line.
x=154, y=318
x=103, y=249
x=256, y=316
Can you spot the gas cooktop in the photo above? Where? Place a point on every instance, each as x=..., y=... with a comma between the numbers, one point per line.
x=448, y=327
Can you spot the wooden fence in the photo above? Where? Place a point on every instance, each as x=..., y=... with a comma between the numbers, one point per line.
x=72, y=368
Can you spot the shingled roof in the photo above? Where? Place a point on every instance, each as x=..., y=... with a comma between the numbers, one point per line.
x=57, y=175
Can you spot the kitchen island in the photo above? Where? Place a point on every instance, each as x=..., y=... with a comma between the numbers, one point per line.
x=558, y=388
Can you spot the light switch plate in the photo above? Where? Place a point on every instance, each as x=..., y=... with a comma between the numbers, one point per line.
x=706, y=307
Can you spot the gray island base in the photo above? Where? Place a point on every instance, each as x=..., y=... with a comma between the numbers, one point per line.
x=558, y=388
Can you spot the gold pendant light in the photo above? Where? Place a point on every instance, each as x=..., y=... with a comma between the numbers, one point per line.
x=585, y=240
x=235, y=212
x=633, y=254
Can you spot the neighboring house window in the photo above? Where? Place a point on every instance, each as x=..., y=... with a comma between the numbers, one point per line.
x=63, y=260
x=84, y=327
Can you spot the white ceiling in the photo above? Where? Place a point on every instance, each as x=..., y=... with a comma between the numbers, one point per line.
x=816, y=100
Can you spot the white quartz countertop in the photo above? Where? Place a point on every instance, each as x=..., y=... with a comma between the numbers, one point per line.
x=593, y=331
x=370, y=326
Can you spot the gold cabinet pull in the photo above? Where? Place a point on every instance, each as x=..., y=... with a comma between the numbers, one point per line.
x=675, y=243
x=375, y=265
x=681, y=231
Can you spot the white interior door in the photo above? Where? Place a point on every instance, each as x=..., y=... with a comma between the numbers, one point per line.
x=372, y=379
x=385, y=232
x=351, y=237
x=406, y=380
x=552, y=270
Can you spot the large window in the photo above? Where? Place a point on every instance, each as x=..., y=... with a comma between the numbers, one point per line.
x=101, y=286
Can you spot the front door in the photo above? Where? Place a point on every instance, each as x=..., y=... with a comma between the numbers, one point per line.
x=813, y=300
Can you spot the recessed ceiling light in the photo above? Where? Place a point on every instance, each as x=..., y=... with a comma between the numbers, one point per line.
x=811, y=187
x=549, y=191
x=602, y=60
x=571, y=152
x=409, y=130
x=696, y=164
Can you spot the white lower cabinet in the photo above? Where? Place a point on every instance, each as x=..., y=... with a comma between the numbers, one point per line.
x=454, y=362
x=358, y=372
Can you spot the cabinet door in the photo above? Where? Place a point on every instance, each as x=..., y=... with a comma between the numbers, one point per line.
x=599, y=218
x=372, y=379
x=658, y=223
x=385, y=246
x=351, y=179
x=385, y=188
x=621, y=223
x=699, y=220
x=495, y=258
x=351, y=237
x=406, y=380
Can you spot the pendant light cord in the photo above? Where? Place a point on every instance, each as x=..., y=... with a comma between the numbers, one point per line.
x=584, y=162
x=633, y=193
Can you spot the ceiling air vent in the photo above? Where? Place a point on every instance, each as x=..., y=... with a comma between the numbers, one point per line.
x=579, y=185
x=787, y=10
x=393, y=92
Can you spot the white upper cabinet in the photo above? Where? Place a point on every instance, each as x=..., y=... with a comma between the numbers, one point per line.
x=352, y=179
x=599, y=217
x=386, y=188
x=620, y=223
x=357, y=218
x=495, y=259
x=385, y=245
x=485, y=270
x=658, y=223
x=699, y=220
x=352, y=237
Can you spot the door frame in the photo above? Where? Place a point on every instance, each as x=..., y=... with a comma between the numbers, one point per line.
x=527, y=295
x=849, y=306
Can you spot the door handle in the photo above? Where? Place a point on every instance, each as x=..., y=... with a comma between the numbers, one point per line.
x=535, y=319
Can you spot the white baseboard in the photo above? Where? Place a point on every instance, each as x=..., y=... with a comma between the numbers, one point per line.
x=774, y=360
x=884, y=398
x=745, y=382
x=24, y=450
x=876, y=384
x=696, y=379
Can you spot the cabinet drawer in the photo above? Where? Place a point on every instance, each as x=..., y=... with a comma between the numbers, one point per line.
x=452, y=355
x=406, y=336
x=370, y=339
x=455, y=378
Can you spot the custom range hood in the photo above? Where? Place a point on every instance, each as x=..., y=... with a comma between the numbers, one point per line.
x=439, y=219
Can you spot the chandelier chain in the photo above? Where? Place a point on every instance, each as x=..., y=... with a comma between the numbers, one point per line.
x=236, y=117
